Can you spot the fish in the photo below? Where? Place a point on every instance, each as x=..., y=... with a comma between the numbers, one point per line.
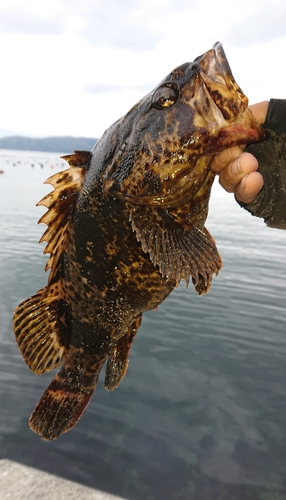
x=125, y=225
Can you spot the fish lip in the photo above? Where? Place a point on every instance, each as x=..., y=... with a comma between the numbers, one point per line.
x=219, y=83
x=222, y=59
x=215, y=65
x=228, y=103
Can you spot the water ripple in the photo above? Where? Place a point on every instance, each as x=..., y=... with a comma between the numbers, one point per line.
x=202, y=407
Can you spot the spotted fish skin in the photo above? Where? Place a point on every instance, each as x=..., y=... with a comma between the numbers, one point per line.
x=125, y=226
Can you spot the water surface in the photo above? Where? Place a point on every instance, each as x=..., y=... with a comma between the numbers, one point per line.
x=201, y=412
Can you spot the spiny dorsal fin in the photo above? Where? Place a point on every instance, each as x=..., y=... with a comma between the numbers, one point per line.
x=179, y=252
x=78, y=159
x=37, y=327
x=60, y=204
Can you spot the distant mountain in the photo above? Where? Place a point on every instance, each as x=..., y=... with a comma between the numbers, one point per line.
x=59, y=144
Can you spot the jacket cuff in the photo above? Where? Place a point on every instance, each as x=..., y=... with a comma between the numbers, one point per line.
x=276, y=116
x=270, y=203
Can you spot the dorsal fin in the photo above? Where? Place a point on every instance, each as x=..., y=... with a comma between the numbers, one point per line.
x=78, y=159
x=60, y=204
x=180, y=251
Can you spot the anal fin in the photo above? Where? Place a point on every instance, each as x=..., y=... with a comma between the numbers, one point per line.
x=117, y=363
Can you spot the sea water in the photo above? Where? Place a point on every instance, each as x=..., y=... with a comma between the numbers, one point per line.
x=201, y=412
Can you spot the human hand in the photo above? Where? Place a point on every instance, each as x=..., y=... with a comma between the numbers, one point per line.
x=238, y=170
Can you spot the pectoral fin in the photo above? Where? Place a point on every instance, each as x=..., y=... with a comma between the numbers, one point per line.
x=180, y=251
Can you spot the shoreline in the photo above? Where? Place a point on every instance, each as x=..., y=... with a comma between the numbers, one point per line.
x=20, y=482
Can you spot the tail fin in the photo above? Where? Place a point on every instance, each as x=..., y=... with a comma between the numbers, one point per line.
x=59, y=408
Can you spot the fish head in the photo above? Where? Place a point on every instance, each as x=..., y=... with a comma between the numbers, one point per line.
x=168, y=140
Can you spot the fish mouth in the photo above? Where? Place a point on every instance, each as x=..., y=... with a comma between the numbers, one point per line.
x=219, y=83
x=222, y=104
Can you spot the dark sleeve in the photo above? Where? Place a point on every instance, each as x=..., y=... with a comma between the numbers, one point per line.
x=270, y=203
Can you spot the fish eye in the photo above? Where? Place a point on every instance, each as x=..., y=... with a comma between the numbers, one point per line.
x=164, y=97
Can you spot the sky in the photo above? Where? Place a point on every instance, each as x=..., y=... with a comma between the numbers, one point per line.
x=73, y=67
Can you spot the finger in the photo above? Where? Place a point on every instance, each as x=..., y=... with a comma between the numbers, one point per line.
x=225, y=157
x=259, y=110
x=232, y=174
x=249, y=187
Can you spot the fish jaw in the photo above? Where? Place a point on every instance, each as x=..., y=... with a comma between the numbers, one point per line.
x=222, y=107
x=219, y=80
x=245, y=129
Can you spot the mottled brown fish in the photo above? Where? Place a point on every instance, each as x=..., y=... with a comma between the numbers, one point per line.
x=125, y=225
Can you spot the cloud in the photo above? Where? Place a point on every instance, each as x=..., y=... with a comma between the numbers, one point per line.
x=141, y=25
x=118, y=24
x=86, y=63
x=104, y=88
x=183, y=4
x=17, y=19
x=266, y=22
